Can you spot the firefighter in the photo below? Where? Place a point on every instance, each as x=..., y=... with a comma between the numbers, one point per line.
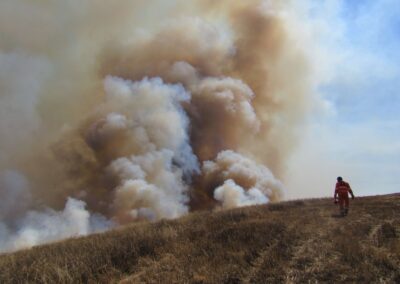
x=342, y=191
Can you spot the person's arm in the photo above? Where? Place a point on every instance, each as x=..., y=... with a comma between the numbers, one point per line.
x=351, y=192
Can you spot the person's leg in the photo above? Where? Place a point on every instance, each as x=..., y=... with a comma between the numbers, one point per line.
x=346, y=205
x=341, y=205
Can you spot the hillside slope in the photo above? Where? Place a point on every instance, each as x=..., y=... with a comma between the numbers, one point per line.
x=290, y=242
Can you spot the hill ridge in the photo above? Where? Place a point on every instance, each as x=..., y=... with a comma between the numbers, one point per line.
x=290, y=242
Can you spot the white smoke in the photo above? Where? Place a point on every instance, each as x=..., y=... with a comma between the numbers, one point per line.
x=232, y=195
x=245, y=181
x=38, y=227
x=23, y=227
x=150, y=113
x=150, y=182
x=154, y=127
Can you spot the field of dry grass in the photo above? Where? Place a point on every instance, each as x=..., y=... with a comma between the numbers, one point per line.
x=292, y=242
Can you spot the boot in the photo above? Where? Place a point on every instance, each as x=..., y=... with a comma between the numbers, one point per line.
x=346, y=211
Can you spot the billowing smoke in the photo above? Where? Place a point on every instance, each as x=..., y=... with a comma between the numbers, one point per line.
x=39, y=227
x=245, y=182
x=117, y=112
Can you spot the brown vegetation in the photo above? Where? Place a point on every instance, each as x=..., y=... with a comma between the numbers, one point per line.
x=292, y=242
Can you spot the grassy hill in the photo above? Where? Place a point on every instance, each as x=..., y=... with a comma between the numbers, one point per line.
x=291, y=242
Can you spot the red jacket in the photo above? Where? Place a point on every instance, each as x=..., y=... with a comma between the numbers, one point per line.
x=343, y=189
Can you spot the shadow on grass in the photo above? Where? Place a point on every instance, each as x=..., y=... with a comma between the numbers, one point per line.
x=337, y=215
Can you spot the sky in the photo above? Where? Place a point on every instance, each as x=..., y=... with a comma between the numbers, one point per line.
x=357, y=135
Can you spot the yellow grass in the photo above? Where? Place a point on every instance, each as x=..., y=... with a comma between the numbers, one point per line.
x=292, y=242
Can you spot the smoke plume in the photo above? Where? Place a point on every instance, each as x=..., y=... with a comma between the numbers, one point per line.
x=116, y=112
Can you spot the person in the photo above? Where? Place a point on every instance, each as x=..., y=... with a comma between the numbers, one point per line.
x=341, y=195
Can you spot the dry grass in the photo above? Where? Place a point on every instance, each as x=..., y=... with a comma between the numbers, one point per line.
x=291, y=242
